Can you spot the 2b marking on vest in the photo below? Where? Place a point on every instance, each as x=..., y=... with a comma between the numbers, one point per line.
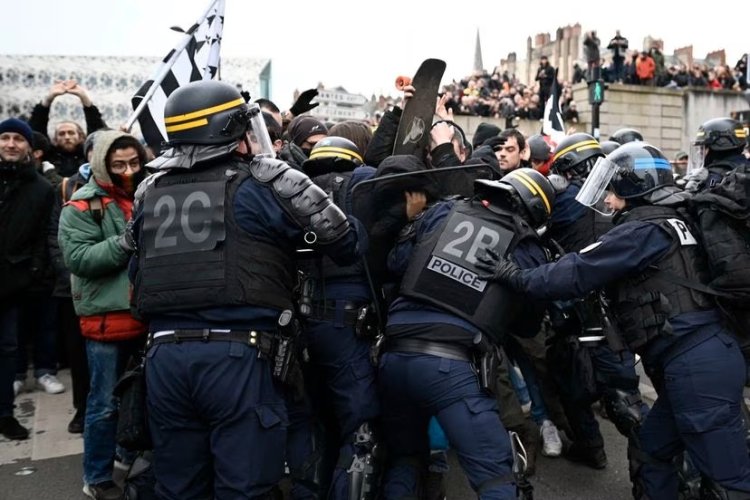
x=456, y=273
x=686, y=237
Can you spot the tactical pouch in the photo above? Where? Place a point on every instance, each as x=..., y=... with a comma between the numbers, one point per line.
x=132, y=423
x=367, y=325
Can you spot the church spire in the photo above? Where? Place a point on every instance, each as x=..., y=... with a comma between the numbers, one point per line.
x=478, y=65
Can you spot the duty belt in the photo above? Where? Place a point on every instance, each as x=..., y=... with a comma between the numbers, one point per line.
x=439, y=349
x=263, y=341
x=327, y=311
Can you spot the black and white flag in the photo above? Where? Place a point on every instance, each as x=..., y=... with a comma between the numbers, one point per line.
x=196, y=57
x=552, y=123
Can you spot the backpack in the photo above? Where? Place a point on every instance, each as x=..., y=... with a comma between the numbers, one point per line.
x=96, y=205
x=721, y=215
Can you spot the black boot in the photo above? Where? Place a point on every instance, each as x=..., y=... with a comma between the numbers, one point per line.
x=591, y=456
x=76, y=424
x=11, y=429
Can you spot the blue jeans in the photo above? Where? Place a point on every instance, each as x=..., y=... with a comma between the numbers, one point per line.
x=415, y=387
x=519, y=386
x=8, y=348
x=534, y=391
x=106, y=364
x=39, y=323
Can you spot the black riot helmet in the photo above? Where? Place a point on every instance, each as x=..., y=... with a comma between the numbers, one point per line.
x=609, y=146
x=576, y=155
x=332, y=154
x=206, y=112
x=721, y=134
x=626, y=135
x=524, y=191
x=634, y=171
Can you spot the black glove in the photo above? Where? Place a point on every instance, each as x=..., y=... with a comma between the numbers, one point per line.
x=499, y=269
x=245, y=95
x=303, y=104
x=126, y=240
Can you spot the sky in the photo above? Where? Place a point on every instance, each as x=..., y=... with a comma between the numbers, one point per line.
x=362, y=45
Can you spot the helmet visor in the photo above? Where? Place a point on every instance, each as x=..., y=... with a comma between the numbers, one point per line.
x=260, y=141
x=593, y=190
x=696, y=158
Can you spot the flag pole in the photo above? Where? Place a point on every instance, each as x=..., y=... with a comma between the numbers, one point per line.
x=166, y=67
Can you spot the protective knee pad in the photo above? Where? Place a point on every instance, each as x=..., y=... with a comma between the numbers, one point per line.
x=365, y=466
x=624, y=410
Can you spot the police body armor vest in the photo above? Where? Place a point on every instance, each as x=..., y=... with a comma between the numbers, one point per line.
x=193, y=254
x=582, y=232
x=322, y=267
x=577, y=235
x=644, y=304
x=442, y=270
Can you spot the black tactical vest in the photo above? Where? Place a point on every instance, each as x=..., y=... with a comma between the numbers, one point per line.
x=321, y=267
x=582, y=232
x=644, y=304
x=193, y=255
x=442, y=269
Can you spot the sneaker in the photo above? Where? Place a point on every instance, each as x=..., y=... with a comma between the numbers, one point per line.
x=76, y=424
x=11, y=429
x=551, y=443
x=106, y=490
x=18, y=387
x=50, y=384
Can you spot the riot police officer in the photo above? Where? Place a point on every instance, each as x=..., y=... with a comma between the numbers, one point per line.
x=339, y=326
x=717, y=150
x=444, y=317
x=652, y=266
x=216, y=231
x=574, y=227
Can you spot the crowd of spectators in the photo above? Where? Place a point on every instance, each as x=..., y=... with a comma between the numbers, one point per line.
x=501, y=95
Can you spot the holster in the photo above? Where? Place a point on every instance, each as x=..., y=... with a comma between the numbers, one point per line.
x=284, y=360
x=487, y=363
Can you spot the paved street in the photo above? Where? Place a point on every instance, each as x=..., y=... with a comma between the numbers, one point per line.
x=48, y=466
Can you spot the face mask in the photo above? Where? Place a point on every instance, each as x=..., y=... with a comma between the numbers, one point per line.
x=128, y=182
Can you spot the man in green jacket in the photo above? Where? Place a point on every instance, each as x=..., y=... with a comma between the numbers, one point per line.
x=91, y=225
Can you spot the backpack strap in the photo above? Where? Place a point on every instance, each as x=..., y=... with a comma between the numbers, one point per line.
x=97, y=209
x=64, y=189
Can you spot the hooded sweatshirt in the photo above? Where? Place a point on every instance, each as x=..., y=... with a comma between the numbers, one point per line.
x=98, y=264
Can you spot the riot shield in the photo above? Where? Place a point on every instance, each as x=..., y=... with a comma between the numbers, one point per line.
x=380, y=205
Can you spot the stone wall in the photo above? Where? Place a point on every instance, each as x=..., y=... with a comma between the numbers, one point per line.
x=667, y=118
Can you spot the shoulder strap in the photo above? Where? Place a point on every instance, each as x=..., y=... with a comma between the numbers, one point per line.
x=64, y=189
x=97, y=209
x=693, y=285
